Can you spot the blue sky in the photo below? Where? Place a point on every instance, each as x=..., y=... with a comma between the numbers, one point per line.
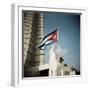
x=68, y=26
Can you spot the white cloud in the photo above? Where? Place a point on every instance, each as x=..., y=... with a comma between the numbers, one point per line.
x=63, y=51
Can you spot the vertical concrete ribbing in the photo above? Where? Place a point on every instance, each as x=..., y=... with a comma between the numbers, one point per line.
x=33, y=34
x=28, y=18
x=40, y=30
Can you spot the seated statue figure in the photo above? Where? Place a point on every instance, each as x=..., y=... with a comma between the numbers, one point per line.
x=53, y=61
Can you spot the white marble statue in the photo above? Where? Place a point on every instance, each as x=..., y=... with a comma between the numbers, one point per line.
x=54, y=61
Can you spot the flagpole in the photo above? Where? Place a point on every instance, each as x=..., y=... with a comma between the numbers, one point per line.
x=58, y=41
x=58, y=37
x=62, y=45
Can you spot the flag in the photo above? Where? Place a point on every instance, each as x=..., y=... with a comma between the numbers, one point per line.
x=48, y=39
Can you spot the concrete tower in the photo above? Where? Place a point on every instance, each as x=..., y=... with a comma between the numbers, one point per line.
x=33, y=28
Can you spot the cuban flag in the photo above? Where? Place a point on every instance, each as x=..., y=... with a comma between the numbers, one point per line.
x=48, y=39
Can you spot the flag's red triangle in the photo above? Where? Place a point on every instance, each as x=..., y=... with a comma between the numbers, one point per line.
x=53, y=37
